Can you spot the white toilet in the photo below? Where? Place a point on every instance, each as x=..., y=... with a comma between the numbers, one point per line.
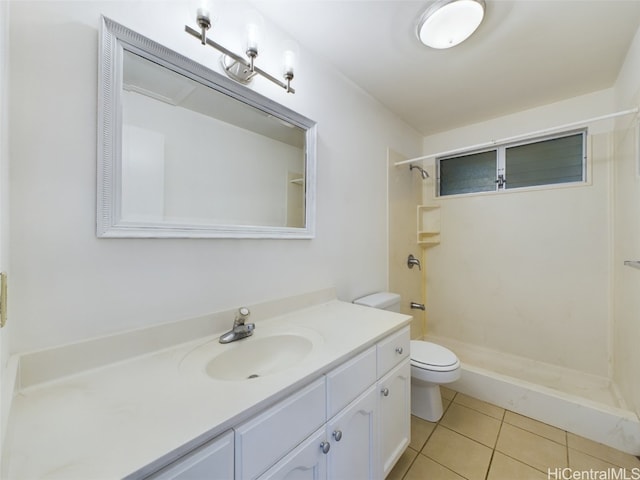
x=431, y=364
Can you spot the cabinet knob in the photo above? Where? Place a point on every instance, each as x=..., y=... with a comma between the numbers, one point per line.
x=399, y=350
x=385, y=391
x=337, y=435
x=325, y=447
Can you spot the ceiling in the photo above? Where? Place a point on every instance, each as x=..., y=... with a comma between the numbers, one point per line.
x=526, y=53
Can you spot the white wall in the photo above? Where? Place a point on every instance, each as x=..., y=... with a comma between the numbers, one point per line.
x=68, y=285
x=627, y=232
x=528, y=273
x=5, y=391
x=4, y=207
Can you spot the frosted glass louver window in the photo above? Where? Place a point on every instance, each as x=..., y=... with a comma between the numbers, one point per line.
x=468, y=173
x=558, y=160
x=552, y=160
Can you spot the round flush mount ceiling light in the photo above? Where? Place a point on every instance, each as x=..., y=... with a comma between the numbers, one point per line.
x=446, y=23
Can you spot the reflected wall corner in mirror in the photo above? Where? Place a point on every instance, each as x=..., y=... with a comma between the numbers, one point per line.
x=185, y=152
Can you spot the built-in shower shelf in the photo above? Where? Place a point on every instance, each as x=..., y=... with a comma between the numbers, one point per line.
x=428, y=223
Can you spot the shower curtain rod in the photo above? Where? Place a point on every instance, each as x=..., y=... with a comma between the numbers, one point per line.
x=519, y=137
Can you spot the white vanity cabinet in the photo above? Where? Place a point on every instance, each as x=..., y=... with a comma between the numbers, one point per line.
x=211, y=461
x=394, y=400
x=368, y=412
x=352, y=423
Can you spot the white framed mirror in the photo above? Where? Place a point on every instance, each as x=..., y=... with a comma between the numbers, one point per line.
x=184, y=152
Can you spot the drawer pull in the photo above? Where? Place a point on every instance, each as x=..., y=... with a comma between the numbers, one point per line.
x=325, y=447
x=337, y=435
x=385, y=391
x=399, y=350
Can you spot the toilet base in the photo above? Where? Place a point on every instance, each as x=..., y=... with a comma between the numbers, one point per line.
x=426, y=401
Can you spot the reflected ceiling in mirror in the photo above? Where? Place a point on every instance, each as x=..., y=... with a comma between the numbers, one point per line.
x=188, y=153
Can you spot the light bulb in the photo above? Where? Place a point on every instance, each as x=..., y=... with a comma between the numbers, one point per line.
x=288, y=60
x=253, y=39
x=204, y=22
x=203, y=18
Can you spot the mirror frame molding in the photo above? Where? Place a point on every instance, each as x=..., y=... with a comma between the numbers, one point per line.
x=114, y=39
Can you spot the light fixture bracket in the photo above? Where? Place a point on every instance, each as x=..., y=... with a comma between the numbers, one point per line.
x=236, y=70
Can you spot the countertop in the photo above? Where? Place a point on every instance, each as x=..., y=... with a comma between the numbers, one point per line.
x=120, y=419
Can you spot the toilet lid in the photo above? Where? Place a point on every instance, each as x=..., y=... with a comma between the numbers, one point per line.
x=431, y=356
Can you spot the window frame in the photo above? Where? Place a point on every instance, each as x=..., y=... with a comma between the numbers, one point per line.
x=501, y=163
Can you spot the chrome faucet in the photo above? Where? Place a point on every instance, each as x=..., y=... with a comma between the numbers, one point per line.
x=240, y=328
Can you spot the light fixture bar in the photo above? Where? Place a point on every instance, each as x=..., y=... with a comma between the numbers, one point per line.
x=217, y=46
x=240, y=59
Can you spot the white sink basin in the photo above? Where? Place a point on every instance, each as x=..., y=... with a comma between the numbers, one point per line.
x=270, y=350
x=256, y=357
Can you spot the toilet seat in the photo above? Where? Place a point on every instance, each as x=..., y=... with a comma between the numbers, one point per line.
x=433, y=357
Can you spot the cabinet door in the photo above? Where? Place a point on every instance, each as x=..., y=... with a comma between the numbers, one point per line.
x=305, y=462
x=394, y=396
x=269, y=436
x=353, y=437
x=212, y=461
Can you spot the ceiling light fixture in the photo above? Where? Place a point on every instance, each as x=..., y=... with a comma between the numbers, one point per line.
x=446, y=23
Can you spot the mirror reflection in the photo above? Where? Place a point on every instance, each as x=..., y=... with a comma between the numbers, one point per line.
x=193, y=155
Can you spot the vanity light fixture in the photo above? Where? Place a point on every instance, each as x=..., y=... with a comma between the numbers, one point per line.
x=236, y=66
x=447, y=23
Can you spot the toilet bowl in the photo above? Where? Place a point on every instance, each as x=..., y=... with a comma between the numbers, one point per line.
x=431, y=364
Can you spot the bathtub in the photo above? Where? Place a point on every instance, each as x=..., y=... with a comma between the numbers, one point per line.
x=587, y=405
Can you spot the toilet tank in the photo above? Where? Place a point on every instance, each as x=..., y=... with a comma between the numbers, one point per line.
x=382, y=300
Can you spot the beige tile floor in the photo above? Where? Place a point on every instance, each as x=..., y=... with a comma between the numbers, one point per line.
x=475, y=440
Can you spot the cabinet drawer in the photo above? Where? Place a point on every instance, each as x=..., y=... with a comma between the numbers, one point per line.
x=392, y=350
x=265, y=439
x=349, y=380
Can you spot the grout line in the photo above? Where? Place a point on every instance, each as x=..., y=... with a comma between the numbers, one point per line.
x=519, y=460
x=444, y=466
x=495, y=445
x=536, y=434
x=410, y=466
x=467, y=437
x=600, y=459
x=504, y=410
x=486, y=475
